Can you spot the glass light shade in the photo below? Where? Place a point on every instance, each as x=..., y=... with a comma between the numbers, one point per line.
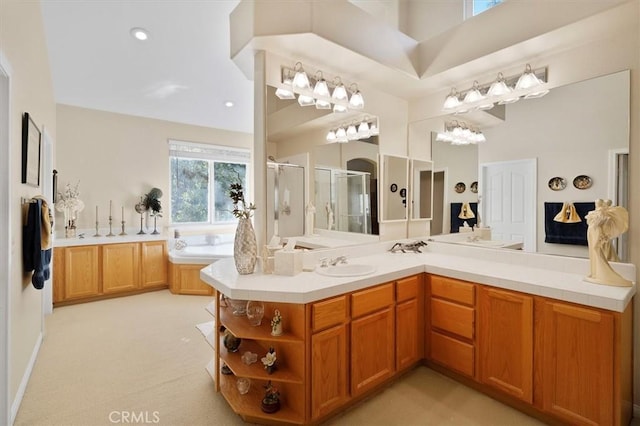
x=305, y=100
x=320, y=104
x=509, y=100
x=352, y=132
x=452, y=101
x=284, y=93
x=363, y=130
x=537, y=94
x=479, y=137
x=331, y=136
x=356, y=101
x=341, y=135
x=301, y=80
x=473, y=95
x=321, y=88
x=339, y=93
x=499, y=87
x=373, y=129
x=528, y=80
x=339, y=108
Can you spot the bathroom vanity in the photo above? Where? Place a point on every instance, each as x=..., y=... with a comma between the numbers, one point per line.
x=521, y=327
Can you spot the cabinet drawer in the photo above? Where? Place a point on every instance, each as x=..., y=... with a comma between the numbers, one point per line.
x=452, y=289
x=452, y=353
x=328, y=313
x=407, y=288
x=452, y=317
x=370, y=300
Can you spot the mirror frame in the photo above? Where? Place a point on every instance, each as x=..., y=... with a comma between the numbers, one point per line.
x=384, y=184
x=414, y=186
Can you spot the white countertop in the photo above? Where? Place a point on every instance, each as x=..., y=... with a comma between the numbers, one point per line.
x=549, y=276
x=89, y=239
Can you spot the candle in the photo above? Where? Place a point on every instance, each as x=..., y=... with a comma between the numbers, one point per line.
x=123, y=213
x=110, y=207
x=96, y=213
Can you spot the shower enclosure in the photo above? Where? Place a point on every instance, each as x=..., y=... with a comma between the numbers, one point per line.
x=343, y=200
x=285, y=200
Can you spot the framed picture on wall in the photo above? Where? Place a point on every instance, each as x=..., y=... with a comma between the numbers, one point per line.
x=31, y=141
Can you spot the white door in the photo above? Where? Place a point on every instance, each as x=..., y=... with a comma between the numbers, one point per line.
x=47, y=191
x=508, y=201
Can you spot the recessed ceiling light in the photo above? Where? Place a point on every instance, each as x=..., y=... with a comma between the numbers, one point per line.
x=228, y=104
x=139, y=33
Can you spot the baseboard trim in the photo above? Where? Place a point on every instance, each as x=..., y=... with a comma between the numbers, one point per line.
x=636, y=411
x=25, y=379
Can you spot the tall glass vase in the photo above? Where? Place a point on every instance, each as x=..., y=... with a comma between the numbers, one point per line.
x=245, y=250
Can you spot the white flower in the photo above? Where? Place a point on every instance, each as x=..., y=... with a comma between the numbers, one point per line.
x=269, y=359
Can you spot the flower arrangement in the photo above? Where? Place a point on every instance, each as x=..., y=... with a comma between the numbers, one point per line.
x=240, y=207
x=152, y=202
x=269, y=360
x=70, y=204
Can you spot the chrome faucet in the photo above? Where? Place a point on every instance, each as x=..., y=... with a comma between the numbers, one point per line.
x=339, y=259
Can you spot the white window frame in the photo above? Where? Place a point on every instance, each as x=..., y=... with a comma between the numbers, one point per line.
x=212, y=153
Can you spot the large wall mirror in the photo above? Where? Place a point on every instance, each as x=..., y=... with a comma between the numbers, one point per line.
x=581, y=129
x=343, y=177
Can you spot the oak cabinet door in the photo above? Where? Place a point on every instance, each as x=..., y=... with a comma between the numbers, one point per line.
x=81, y=272
x=407, y=334
x=578, y=371
x=329, y=367
x=372, y=350
x=154, y=264
x=506, y=341
x=120, y=267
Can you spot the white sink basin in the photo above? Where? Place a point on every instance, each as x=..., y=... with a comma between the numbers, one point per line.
x=346, y=270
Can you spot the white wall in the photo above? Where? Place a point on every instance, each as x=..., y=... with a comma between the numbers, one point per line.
x=23, y=45
x=121, y=157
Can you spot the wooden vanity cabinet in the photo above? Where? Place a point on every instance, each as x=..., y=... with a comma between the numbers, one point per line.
x=185, y=279
x=81, y=272
x=329, y=355
x=372, y=337
x=451, y=324
x=92, y=272
x=584, y=363
x=409, y=324
x=154, y=264
x=120, y=267
x=505, y=341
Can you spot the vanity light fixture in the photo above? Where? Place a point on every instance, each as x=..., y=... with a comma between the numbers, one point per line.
x=317, y=91
x=460, y=134
x=528, y=85
x=359, y=129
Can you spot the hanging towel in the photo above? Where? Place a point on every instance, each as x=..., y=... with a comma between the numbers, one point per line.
x=36, y=257
x=456, y=222
x=466, y=212
x=566, y=232
x=567, y=214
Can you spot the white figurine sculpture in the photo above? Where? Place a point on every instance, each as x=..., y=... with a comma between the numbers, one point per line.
x=605, y=222
x=311, y=213
x=329, y=216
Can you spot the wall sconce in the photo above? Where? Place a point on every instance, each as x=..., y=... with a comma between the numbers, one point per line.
x=323, y=95
x=530, y=84
x=460, y=134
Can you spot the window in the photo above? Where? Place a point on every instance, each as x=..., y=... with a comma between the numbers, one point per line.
x=200, y=179
x=476, y=7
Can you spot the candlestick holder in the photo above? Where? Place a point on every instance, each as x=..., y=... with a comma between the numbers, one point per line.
x=97, y=234
x=141, y=220
x=123, y=233
x=110, y=234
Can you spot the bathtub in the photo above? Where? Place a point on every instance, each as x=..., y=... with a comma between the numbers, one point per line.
x=201, y=250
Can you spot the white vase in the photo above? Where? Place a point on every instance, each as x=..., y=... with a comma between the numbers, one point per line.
x=245, y=250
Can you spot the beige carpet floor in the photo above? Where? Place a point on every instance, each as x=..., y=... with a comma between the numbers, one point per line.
x=143, y=354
